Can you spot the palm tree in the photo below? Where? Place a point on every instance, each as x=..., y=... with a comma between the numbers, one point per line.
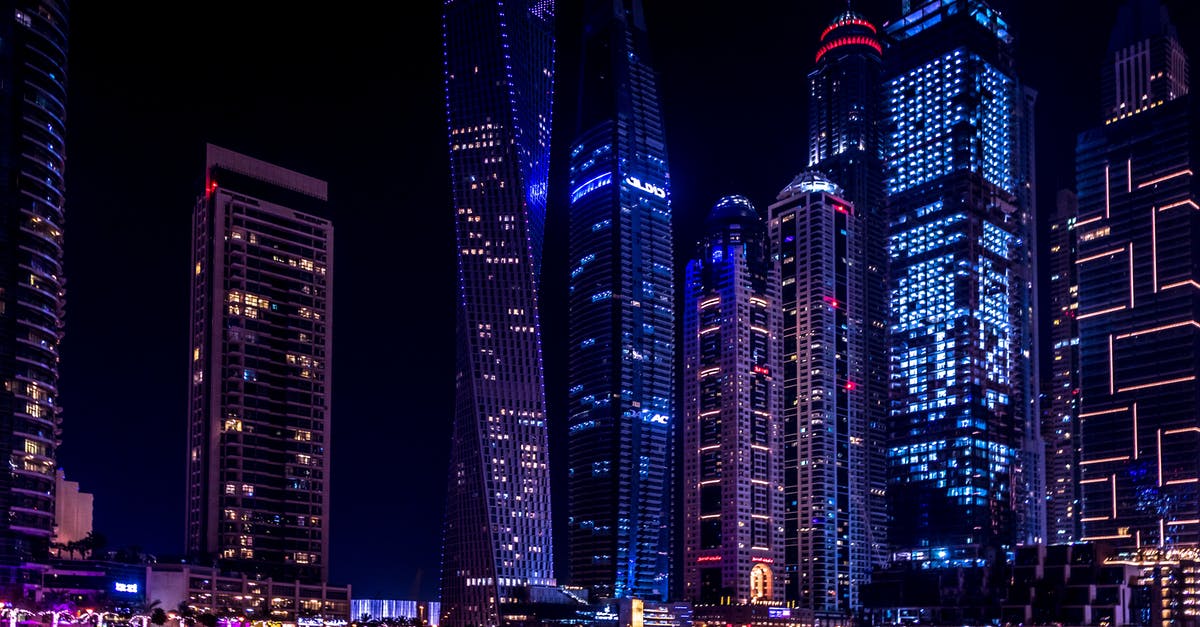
x=91, y=544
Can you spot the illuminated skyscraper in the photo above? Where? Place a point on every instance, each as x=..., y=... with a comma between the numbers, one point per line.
x=259, y=411
x=819, y=239
x=499, y=88
x=965, y=455
x=1060, y=430
x=732, y=436
x=622, y=317
x=1138, y=261
x=33, y=96
x=845, y=119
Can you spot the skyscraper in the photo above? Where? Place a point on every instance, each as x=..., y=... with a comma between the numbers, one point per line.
x=1061, y=428
x=1139, y=293
x=259, y=410
x=732, y=436
x=622, y=318
x=499, y=89
x=845, y=120
x=819, y=239
x=965, y=450
x=33, y=95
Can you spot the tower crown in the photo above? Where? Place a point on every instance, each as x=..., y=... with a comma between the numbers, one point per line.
x=732, y=210
x=849, y=29
x=811, y=181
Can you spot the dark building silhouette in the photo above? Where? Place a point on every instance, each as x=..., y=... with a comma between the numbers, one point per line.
x=621, y=354
x=499, y=73
x=1060, y=429
x=261, y=347
x=1137, y=239
x=33, y=95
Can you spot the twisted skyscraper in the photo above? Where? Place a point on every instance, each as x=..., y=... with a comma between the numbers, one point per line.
x=499, y=90
x=622, y=318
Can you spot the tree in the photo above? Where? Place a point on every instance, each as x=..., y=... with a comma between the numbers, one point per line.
x=158, y=617
x=91, y=544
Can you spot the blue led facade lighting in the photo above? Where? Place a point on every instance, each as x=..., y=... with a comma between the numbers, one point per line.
x=621, y=412
x=950, y=113
x=499, y=84
x=964, y=455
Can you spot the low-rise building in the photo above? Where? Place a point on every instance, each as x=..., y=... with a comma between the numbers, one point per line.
x=204, y=589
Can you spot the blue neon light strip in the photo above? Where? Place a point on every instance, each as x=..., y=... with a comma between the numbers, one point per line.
x=590, y=186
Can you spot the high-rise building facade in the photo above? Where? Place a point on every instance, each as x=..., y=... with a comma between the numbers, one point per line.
x=845, y=127
x=965, y=451
x=732, y=436
x=622, y=317
x=1138, y=266
x=33, y=96
x=261, y=347
x=818, y=237
x=499, y=77
x=1060, y=430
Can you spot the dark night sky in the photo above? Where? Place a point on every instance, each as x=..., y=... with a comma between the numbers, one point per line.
x=355, y=97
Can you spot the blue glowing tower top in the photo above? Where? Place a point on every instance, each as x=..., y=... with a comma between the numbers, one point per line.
x=499, y=91
x=622, y=317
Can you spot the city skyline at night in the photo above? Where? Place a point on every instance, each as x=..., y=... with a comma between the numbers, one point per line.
x=365, y=116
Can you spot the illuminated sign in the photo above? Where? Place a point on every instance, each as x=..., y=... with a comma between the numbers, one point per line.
x=709, y=558
x=764, y=560
x=131, y=588
x=779, y=612
x=649, y=188
x=762, y=370
x=655, y=418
